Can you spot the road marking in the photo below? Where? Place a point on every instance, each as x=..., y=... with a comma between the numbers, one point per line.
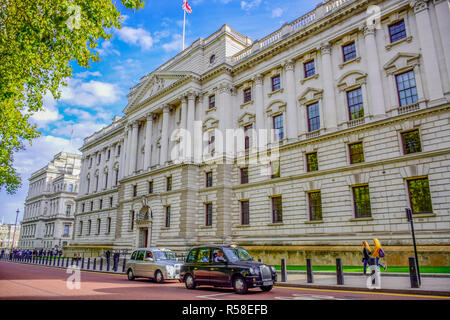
x=366, y=292
x=210, y=296
x=297, y=296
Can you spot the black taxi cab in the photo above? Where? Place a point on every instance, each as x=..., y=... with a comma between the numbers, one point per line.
x=226, y=266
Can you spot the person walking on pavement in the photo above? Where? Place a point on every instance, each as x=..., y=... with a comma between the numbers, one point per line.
x=367, y=251
x=378, y=253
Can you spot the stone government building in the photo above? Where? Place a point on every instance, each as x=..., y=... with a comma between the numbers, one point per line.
x=362, y=113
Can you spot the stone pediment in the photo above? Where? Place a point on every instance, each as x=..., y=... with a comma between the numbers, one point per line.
x=155, y=84
x=401, y=61
x=246, y=118
x=351, y=79
x=309, y=95
x=210, y=123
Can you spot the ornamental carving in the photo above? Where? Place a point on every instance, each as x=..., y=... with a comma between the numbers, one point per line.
x=419, y=5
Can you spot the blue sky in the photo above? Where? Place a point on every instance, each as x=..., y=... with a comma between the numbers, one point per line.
x=148, y=38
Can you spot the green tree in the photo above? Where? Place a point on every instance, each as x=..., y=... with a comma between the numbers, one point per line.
x=38, y=41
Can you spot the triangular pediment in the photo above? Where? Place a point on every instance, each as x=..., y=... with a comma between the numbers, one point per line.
x=310, y=94
x=246, y=118
x=401, y=61
x=155, y=84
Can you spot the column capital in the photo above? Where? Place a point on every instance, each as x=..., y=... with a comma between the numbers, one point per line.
x=289, y=65
x=135, y=124
x=191, y=95
x=166, y=108
x=224, y=87
x=368, y=30
x=258, y=79
x=419, y=5
x=325, y=48
x=149, y=116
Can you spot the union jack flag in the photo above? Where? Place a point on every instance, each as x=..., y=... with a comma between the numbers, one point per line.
x=186, y=7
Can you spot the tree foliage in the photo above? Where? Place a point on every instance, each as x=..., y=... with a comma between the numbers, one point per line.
x=38, y=41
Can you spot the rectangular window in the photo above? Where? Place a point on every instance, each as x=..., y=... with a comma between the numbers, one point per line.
x=361, y=202
x=208, y=214
x=101, y=203
x=356, y=152
x=312, y=111
x=209, y=179
x=278, y=125
x=150, y=187
x=277, y=212
x=68, y=209
x=419, y=195
x=244, y=175
x=66, y=230
x=110, y=202
x=70, y=187
x=118, y=150
x=247, y=95
x=169, y=183
x=247, y=132
x=92, y=205
x=355, y=104
x=99, y=158
x=81, y=228
x=309, y=68
x=315, y=206
x=411, y=142
x=109, y=225
x=117, y=177
x=397, y=31
x=245, y=218
x=96, y=183
x=82, y=207
x=109, y=154
x=88, y=185
x=99, y=222
x=275, y=169
x=135, y=190
x=349, y=51
x=276, y=83
x=106, y=180
x=312, y=163
x=211, y=141
x=89, y=227
x=132, y=220
x=212, y=101
x=90, y=162
x=406, y=88
x=167, y=217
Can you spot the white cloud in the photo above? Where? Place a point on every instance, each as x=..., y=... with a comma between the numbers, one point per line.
x=48, y=114
x=88, y=94
x=248, y=5
x=135, y=36
x=175, y=45
x=86, y=74
x=277, y=12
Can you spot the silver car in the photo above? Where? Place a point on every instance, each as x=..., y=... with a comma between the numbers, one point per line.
x=158, y=264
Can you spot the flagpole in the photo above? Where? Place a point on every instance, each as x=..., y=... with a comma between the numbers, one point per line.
x=184, y=26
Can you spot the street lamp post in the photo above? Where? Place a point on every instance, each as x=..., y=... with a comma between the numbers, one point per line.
x=14, y=234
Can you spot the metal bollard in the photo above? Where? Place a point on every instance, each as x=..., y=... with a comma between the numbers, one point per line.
x=95, y=263
x=283, y=270
x=413, y=276
x=123, y=266
x=82, y=263
x=101, y=264
x=59, y=261
x=89, y=263
x=309, y=273
x=67, y=262
x=107, y=264
x=339, y=272
x=72, y=262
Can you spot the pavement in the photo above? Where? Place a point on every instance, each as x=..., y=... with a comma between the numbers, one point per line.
x=395, y=283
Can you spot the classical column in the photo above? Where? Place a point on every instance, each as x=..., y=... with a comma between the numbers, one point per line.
x=428, y=49
x=259, y=102
x=127, y=151
x=134, y=147
x=123, y=149
x=190, y=125
x=164, y=136
x=375, y=82
x=443, y=20
x=183, y=112
x=291, y=108
x=148, y=141
x=329, y=105
x=102, y=174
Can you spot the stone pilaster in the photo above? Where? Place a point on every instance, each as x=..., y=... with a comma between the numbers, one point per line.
x=329, y=105
x=164, y=136
x=148, y=141
x=291, y=108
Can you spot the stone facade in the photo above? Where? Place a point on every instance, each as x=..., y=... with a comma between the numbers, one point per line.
x=50, y=204
x=355, y=95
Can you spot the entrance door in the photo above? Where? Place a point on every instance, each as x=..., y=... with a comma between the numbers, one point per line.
x=143, y=236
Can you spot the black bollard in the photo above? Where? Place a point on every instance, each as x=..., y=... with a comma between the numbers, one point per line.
x=82, y=263
x=339, y=272
x=59, y=261
x=89, y=263
x=101, y=264
x=283, y=270
x=72, y=262
x=78, y=259
x=309, y=273
x=123, y=266
x=413, y=276
x=67, y=262
x=95, y=263
x=107, y=264
x=62, y=262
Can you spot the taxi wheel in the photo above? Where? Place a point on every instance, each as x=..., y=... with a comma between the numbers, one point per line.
x=159, y=278
x=130, y=275
x=189, y=282
x=266, y=288
x=239, y=285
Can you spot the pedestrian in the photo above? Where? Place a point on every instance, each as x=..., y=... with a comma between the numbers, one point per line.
x=378, y=253
x=367, y=251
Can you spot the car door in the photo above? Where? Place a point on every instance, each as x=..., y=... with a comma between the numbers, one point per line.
x=218, y=273
x=148, y=264
x=139, y=264
x=202, y=266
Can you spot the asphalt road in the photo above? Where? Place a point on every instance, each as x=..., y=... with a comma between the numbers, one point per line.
x=31, y=282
